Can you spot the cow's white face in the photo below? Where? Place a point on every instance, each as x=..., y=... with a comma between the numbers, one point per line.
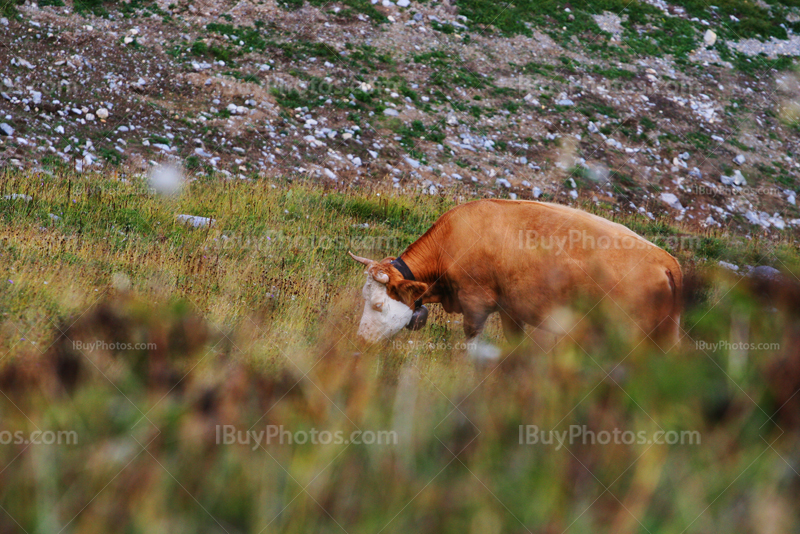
x=383, y=316
x=389, y=301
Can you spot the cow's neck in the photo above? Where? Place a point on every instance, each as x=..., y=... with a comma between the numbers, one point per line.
x=422, y=264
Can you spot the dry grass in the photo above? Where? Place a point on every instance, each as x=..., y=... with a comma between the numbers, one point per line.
x=250, y=323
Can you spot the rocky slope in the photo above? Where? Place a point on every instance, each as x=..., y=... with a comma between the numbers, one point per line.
x=649, y=109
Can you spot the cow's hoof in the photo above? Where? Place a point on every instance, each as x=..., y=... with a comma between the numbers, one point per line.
x=483, y=353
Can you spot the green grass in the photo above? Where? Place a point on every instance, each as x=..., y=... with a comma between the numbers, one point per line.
x=251, y=322
x=646, y=29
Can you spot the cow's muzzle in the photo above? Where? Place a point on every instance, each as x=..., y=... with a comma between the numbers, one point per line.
x=419, y=318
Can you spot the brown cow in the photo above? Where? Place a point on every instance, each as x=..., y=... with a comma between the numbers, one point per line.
x=524, y=260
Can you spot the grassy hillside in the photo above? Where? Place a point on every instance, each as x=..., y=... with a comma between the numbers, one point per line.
x=631, y=102
x=143, y=336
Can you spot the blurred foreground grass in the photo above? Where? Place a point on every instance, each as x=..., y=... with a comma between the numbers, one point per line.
x=143, y=338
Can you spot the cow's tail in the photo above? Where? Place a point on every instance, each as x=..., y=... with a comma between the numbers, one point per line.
x=671, y=331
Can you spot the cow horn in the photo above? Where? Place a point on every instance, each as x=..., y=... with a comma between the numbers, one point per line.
x=359, y=259
x=383, y=278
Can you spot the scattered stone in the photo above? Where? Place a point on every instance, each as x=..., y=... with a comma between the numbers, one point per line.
x=537, y=192
x=391, y=112
x=739, y=160
x=22, y=63
x=709, y=38
x=5, y=129
x=102, y=113
x=18, y=196
x=729, y=266
x=414, y=163
x=737, y=179
x=765, y=272
x=195, y=220
x=671, y=200
x=403, y=3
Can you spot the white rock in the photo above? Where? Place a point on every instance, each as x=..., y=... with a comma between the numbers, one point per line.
x=671, y=200
x=739, y=160
x=102, y=113
x=18, y=196
x=709, y=38
x=195, y=220
x=530, y=99
x=737, y=179
x=391, y=112
x=729, y=266
x=5, y=129
x=537, y=192
x=329, y=173
x=403, y=3
x=502, y=181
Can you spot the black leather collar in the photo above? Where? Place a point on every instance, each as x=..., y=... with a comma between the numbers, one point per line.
x=401, y=266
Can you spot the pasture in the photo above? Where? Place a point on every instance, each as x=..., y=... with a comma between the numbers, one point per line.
x=208, y=379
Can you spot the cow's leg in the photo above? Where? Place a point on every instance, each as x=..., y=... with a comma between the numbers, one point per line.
x=473, y=325
x=480, y=351
x=513, y=328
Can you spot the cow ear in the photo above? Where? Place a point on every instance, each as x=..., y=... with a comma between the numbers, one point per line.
x=410, y=291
